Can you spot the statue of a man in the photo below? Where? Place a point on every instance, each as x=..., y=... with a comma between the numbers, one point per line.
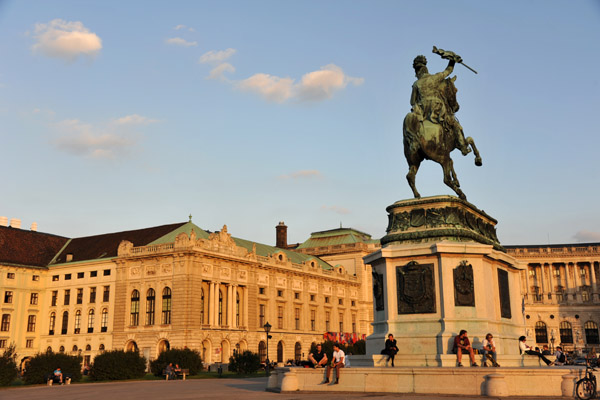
x=428, y=100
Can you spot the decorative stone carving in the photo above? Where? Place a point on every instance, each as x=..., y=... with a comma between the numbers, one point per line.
x=242, y=276
x=313, y=287
x=505, y=311
x=464, y=291
x=416, y=288
x=135, y=271
x=167, y=269
x=341, y=292
x=280, y=282
x=297, y=285
x=150, y=270
x=124, y=248
x=327, y=289
x=225, y=273
x=262, y=279
x=378, y=291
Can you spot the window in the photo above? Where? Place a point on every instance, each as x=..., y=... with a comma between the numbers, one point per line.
x=262, y=352
x=220, y=316
x=67, y=277
x=566, y=332
x=77, y=321
x=33, y=299
x=2, y=343
x=202, y=306
x=91, y=315
x=298, y=352
x=104, y=322
x=261, y=315
x=8, y=296
x=29, y=343
x=106, y=272
x=31, y=323
x=54, y=297
x=92, y=295
x=54, y=278
x=52, y=323
x=101, y=347
x=280, y=293
x=166, y=306
x=134, y=314
x=353, y=323
x=79, y=296
x=312, y=297
x=5, y=325
x=297, y=296
x=150, y=305
x=297, y=318
x=541, y=332
x=326, y=299
x=341, y=302
x=353, y=303
x=261, y=290
x=591, y=333
x=313, y=318
x=106, y=294
x=35, y=278
x=327, y=318
x=585, y=295
x=61, y=349
x=280, y=317
x=237, y=308
x=80, y=275
x=10, y=275
x=75, y=348
x=65, y=323
x=67, y=297
x=341, y=322
x=93, y=274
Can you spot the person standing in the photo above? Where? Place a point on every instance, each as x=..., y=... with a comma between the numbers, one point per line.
x=489, y=350
x=463, y=345
x=525, y=348
x=337, y=362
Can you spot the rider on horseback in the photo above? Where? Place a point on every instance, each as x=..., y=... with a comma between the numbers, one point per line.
x=429, y=102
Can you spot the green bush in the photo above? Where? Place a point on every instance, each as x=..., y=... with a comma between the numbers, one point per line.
x=8, y=366
x=244, y=363
x=116, y=365
x=44, y=364
x=185, y=358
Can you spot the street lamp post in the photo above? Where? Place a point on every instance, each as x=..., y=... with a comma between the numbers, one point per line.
x=552, y=340
x=267, y=327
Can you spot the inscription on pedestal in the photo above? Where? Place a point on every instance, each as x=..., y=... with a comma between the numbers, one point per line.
x=504, y=294
x=416, y=288
x=464, y=293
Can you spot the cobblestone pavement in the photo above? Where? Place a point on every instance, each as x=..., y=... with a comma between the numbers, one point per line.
x=236, y=389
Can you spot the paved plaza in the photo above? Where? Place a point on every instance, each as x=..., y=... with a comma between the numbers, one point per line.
x=237, y=389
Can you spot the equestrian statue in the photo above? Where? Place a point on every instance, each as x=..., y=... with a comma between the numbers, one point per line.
x=431, y=130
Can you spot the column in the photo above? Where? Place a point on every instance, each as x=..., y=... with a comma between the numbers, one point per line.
x=229, y=305
x=245, y=307
x=541, y=278
x=234, y=292
x=568, y=282
x=551, y=282
x=216, y=303
x=528, y=288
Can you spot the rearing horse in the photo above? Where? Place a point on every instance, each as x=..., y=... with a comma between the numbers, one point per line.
x=424, y=139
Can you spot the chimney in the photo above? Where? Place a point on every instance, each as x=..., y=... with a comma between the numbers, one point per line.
x=34, y=226
x=281, y=235
x=15, y=223
x=3, y=221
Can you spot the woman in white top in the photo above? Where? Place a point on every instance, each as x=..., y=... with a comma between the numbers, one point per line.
x=489, y=350
x=524, y=348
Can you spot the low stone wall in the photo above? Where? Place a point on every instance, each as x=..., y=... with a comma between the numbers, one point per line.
x=534, y=381
x=444, y=360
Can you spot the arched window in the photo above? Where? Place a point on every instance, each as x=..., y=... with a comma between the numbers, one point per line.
x=104, y=322
x=134, y=315
x=52, y=323
x=280, y=351
x=591, y=333
x=237, y=308
x=88, y=347
x=49, y=349
x=202, y=306
x=91, y=315
x=262, y=351
x=65, y=323
x=150, y=305
x=101, y=347
x=61, y=349
x=166, y=306
x=75, y=347
x=163, y=345
x=541, y=332
x=77, y=321
x=298, y=351
x=566, y=332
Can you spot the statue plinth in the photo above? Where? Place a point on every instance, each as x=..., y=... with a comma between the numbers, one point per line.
x=434, y=219
x=441, y=269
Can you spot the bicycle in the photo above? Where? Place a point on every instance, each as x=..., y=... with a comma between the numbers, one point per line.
x=586, y=387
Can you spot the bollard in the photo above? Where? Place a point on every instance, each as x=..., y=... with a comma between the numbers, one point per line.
x=495, y=386
x=567, y=386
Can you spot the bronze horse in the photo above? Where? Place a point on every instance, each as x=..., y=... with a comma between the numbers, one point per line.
x=425, y=140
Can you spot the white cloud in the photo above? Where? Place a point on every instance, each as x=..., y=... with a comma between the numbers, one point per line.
x=177, y=41
x=314, y=86
x=219, y=71
x=336, y=209
x=216, y=57
x=134, y=119
x=65, y=39
x=302, y=174
x=180, y=27
x=587, y=236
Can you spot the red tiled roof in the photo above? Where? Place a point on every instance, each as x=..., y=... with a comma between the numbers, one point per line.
x=101, y=246
x=22, y=247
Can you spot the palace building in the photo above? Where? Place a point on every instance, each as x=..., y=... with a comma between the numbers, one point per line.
x=179, y=285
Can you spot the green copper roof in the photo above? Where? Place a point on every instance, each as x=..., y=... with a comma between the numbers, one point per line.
x=185, y=228
x=337, y=236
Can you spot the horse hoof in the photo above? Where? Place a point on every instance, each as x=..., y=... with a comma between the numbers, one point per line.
x=478, y=162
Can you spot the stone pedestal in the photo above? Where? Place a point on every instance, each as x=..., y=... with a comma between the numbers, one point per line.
x=441, y=269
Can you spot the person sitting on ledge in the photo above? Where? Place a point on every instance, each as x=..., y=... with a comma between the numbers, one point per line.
x=337, y=362
x=546, y=350
x=462, y=344
x=561, y=358
x=524, y=348
x=489, y=350
x=58, y=375
x=391, y=348
x=318, y=359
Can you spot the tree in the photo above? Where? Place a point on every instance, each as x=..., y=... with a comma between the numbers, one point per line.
x=245, y=363
x=8, y=366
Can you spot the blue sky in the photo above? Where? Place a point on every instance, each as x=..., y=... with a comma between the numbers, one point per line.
x=122, y=115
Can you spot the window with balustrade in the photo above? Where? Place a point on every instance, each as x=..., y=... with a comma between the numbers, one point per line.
x=91, y=317
x=134, y=313
x=591, y=333
x=541, y=332
x=166, y=306
x=150, y=306
x=566, y=332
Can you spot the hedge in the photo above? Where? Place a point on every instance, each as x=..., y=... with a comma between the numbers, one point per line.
x=244, y=363
x=117, y=365
x=44, y=364
x=185, y=358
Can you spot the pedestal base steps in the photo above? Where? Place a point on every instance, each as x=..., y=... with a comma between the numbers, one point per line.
x=552, y=382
